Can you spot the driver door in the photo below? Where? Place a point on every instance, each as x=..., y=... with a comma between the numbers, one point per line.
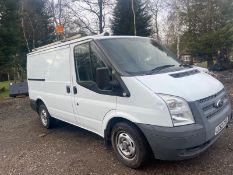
x=91, y=103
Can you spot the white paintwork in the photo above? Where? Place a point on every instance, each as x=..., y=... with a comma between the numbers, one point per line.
x=54, y=66
x=191, y=88
x=202, y=69
x=93, y=111
x=89, y=106
x=143, y=106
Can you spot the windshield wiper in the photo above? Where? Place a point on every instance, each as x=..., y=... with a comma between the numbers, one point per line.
x=159, y=68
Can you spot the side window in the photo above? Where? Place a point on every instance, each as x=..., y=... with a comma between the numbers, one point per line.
x=95, y=60
x=83, y=62
x=87, y=61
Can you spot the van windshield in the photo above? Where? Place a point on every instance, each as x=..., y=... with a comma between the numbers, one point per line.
x=137, y=56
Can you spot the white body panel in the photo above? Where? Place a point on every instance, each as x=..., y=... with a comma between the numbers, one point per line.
x=89, y=106
x=54, y=67
x=143, y=104
x=92, y=107
x=191, y=88
x=90, y=110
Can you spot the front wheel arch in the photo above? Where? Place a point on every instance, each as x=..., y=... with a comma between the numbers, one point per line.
x=130, y=145
x=110, y=125
x=108, y=129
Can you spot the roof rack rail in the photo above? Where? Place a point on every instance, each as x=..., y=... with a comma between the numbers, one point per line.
x=105, y=33
x=58, y=42
x=72, y=38
x=48, y=45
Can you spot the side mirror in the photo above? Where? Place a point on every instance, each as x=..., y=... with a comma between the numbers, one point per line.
x=102, y=77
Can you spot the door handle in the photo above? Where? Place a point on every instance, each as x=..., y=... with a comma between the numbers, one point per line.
x=68, y=89
x=75, y=90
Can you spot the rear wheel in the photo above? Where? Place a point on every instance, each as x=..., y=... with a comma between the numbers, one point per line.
x=46, y=120
x=129, y=145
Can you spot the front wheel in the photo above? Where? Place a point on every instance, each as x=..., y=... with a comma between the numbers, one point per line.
x=129, y=145
x=45, y=118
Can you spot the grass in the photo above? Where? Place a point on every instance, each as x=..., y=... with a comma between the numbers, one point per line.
x=6, y=92
x=201, y=64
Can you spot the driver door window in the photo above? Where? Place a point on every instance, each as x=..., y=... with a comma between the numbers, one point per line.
x=87, y=60
x=83, y=63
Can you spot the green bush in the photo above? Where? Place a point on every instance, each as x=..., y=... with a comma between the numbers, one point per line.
x=4, y=89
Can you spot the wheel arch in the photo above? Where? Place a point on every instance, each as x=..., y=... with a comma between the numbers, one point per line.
x=38, y=102
x=113, y=121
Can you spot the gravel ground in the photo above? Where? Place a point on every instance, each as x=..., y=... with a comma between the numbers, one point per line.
x=27, y=148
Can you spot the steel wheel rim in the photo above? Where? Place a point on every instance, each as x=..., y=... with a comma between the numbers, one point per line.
x=125, y=145
x=44, y=117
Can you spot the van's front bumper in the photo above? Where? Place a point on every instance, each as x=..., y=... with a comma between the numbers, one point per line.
x=176, y=143
x=184, y=142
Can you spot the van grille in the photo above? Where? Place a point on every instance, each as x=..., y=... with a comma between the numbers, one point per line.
x=209, y=105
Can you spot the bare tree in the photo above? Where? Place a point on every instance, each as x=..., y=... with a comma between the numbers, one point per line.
x=23, y=27
x=27, y=25
x=174, y=23
x=81, y=21
x=134, y=18
x=98, y=10
x=53, y=11
x=155, y=7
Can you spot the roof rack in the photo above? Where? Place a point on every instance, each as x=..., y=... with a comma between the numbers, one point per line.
x=48, y=45
x=72, y=38
x=58, y=42
x=68, y=39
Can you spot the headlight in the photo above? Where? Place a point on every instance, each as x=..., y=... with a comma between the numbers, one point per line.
x=179, y=110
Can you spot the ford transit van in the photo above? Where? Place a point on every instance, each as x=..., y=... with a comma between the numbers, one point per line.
x=132, y=92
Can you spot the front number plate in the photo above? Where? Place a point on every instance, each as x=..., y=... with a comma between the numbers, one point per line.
x=221, y=126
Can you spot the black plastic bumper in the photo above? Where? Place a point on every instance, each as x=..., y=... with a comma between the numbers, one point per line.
x=177, y=143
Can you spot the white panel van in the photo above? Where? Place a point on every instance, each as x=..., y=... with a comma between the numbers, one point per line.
x=132, y=92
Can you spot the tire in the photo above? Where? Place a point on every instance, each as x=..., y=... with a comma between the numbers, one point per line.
x=129, y=145
x=46, y=120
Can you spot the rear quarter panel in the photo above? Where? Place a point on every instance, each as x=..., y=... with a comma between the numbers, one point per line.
x=54, y=67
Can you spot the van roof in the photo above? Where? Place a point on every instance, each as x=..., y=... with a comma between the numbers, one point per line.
x=75, y=39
